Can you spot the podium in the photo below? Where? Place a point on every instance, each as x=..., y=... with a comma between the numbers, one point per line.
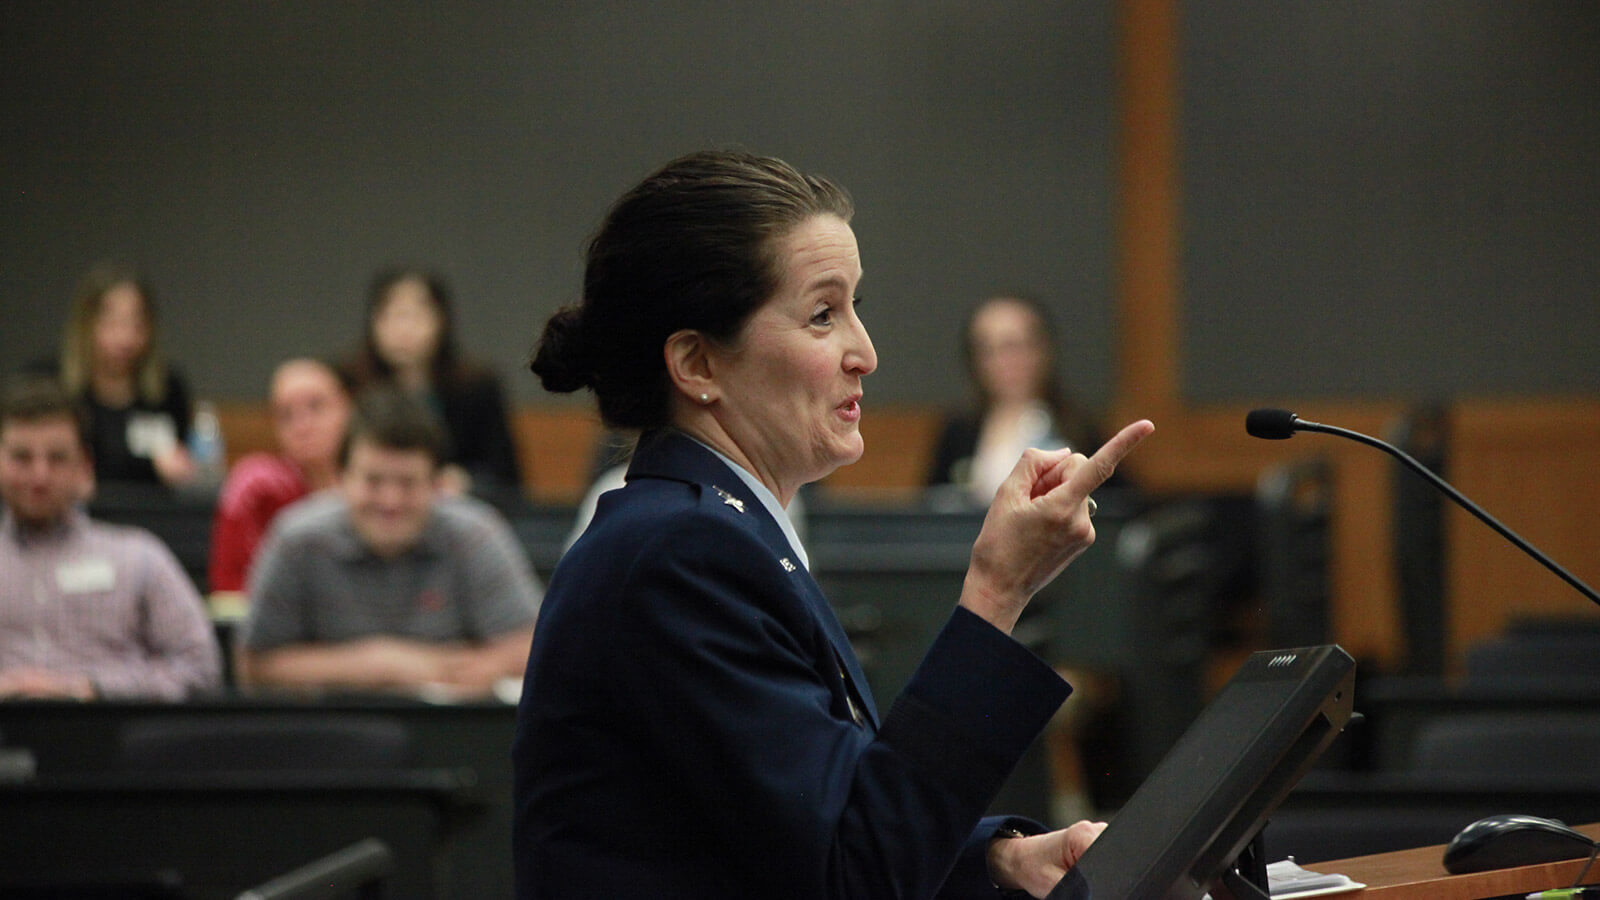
x=1419, y=875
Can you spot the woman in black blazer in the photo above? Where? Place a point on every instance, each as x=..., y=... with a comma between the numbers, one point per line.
x=1009, y=345
x=693, y=722
x=409, y=341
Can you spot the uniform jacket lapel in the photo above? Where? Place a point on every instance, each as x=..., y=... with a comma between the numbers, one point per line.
x=671, y=454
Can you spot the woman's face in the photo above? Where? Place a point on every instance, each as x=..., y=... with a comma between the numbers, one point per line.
x=790, y=390
x=309, y=411
x=406, y=326
x=1009, y=352
x=121, y=332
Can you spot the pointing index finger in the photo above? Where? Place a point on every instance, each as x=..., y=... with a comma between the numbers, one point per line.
x=1105, y=460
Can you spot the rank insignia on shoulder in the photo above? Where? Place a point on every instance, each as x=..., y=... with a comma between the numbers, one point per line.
x=787, y=566
x=729, y=499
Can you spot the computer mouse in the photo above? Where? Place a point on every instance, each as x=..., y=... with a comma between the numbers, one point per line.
x=1502, y=842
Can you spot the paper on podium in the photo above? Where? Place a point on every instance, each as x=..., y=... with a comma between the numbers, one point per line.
x=1286, y=880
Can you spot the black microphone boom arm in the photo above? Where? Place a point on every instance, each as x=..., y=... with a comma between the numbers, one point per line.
x=1276, y=418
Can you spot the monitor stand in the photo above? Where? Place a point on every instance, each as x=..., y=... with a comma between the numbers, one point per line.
x=1246, y=879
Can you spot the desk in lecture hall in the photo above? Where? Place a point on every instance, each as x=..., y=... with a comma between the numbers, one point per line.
x=1419, y=875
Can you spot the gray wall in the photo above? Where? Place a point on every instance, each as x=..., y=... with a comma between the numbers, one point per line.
x=1380, y=200
x=1391, y=200
x=262, y=159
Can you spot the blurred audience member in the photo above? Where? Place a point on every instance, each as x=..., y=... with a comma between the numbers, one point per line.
x=410, y=343
x=87, y=610
x=138, y=405
x=384, y=584
x=310, y=409
x=1010, y=351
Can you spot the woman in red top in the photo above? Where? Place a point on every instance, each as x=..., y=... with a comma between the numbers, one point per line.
x=310, y=408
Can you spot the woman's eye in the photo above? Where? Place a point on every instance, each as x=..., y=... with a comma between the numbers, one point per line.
x=824, y=316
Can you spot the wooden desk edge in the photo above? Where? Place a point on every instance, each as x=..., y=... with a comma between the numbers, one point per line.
x=1419, y=875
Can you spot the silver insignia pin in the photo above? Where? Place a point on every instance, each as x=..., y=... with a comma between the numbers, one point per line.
x=787, y=566
x=729, y=499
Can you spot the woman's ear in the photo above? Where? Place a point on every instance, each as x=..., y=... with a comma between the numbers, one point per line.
x=688, y=358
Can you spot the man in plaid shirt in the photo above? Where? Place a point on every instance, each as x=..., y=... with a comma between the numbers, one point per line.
x=87, y=610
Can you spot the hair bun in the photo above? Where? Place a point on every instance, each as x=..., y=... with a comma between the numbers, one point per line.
x=562, y=359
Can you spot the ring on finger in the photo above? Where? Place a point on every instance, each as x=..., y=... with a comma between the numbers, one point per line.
x=1093, y=506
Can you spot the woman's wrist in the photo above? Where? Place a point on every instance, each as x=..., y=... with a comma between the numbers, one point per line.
x=992, y=605
x=1003, y=859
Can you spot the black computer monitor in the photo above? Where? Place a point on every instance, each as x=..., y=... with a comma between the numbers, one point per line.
x=1184, y=830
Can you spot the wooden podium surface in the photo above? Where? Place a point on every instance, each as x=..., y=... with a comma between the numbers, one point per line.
x=1419, y=875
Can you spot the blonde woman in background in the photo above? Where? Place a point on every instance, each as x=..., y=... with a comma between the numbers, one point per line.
x=138, y=405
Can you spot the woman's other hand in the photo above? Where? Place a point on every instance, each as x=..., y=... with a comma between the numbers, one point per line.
x=1034, y=864
x=1037, y=524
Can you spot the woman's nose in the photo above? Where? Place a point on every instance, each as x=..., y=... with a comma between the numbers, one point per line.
x=861, y=358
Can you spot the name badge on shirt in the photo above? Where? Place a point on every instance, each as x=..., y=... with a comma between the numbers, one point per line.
x=86, y=576
x=151, y=434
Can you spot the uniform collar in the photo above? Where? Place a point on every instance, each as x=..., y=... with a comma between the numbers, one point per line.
x=767, y=498
x=670, y=453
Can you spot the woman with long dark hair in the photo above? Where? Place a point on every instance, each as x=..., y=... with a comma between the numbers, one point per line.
x=409, y=342
x=1009, y=346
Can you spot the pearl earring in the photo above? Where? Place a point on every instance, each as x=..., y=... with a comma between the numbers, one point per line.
x=705, y=398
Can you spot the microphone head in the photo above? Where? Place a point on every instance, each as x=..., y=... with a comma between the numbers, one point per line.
x=1270, y=424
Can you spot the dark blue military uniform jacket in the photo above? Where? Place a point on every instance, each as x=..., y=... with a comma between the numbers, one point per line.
x=694, y=724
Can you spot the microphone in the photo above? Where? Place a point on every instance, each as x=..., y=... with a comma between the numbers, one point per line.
x=1280, y=424
x=1271, y=424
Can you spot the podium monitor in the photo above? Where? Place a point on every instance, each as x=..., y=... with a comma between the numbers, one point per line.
x=1184, y=831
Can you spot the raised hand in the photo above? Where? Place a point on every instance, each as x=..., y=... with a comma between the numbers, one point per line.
x=1037, y=524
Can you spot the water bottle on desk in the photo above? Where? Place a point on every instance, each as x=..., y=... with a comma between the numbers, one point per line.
x=206, y=446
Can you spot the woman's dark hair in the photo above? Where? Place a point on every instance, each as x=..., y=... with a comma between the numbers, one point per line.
x=368, y=366
x=691, y=247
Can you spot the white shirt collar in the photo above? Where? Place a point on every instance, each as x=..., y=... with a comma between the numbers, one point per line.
x=767, y=498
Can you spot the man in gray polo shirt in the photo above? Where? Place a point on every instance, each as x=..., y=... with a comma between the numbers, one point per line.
x=384, y=583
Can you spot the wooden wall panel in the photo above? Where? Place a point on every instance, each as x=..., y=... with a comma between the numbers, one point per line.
x=556, y=447
x=899, y=441
x=1530, y=464
x=246, y=429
